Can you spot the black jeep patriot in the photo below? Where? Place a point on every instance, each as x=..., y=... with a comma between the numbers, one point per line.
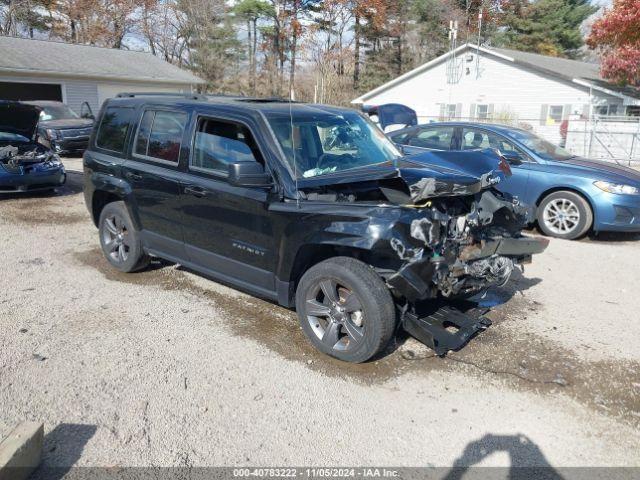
x=310, y=206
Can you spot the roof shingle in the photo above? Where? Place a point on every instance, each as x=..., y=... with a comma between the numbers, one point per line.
x=64, y=59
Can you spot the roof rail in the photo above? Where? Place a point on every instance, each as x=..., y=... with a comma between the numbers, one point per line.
x=191, y=96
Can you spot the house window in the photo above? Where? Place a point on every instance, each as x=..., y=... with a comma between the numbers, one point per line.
x=555, y=113
x=633, y=111
x=482, y=112
x=450, y=110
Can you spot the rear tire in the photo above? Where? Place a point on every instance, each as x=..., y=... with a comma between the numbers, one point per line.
x=564, y=214
x=119, y=240
x=345, y=309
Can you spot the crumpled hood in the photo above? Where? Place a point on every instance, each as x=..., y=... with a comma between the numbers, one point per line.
x=67, y=123
x=19, y=118
x=607, y=171
x=423, y=177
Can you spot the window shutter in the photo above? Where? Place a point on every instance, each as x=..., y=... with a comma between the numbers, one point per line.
x=472, y=111
x=490, y=111
x=458, y=110
x=544, y=113
x=566, y=111
x=442, y=111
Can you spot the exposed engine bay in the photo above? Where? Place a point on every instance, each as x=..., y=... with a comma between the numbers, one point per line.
x=460, y=246
x=14, y=156
x=456, y=234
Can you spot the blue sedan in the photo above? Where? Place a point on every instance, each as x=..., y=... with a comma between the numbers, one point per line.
x=572, y=195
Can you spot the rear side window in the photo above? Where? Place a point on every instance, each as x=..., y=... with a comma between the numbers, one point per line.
x=160, y=135
x=436, y=138
x=113, y=129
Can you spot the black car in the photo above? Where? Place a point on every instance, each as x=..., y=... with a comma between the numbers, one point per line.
x=309, y=206
x=63, y=130
x=25, y=164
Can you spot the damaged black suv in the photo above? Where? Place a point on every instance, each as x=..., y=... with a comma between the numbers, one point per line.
x=310, y=206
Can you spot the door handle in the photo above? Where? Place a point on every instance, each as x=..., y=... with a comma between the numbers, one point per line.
x=195, y=191
x=133, y=176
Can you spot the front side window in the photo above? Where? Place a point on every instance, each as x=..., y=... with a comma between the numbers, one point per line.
x=217, y=144
x=160, y=135
x=112, y=132
x=473, y=139
x=319, y=142
x=434, y=138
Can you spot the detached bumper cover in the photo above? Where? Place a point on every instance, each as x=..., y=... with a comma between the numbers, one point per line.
x=444, y=328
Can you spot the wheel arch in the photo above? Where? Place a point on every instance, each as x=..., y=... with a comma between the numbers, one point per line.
x=311, y=254
x=108, y=189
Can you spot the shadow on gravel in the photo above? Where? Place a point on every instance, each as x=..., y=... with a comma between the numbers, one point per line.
x=612, y=237
x=527, y=460
x=61, y=450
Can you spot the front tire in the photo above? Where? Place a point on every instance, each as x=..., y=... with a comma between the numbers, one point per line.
x=119, y=240
x=564, y=214
x=345, y=309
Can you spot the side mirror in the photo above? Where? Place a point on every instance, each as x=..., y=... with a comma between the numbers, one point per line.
x=249, y=174
x=85, y=111
x=514, y=158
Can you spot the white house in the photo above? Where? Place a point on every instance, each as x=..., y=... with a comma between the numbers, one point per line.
x=480, y=83
x=520, y=88
x=47, y=70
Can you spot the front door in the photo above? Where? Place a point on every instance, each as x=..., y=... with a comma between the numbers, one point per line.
x=227, y=229
x=152, y=171
x=477, y=138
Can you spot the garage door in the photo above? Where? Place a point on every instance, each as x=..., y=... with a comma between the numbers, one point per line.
x=30, y=91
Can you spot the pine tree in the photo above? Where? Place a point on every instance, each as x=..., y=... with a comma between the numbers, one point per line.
x=548, y=27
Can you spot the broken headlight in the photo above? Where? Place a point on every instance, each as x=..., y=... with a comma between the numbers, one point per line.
x=618, y=189
x=51, y=133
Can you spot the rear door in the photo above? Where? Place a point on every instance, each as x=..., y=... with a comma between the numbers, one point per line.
x=228, y=229
x=152, y=171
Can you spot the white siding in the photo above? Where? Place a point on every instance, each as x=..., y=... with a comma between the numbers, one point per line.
x=76, y=93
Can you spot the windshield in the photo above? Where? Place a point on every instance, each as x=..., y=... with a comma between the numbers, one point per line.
x=12, y=137
x=539, y=146
x=324, y=142
x=57, y=112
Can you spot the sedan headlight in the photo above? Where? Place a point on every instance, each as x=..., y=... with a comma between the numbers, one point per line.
x=616, y=188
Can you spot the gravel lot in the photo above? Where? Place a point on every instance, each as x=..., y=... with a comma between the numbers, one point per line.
x=165, y=367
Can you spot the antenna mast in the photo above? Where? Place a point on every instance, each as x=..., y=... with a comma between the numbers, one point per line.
x=478, y=45
x=452, y=65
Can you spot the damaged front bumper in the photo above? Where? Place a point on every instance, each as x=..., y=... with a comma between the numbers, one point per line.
x=30, y=171
x=457, y=255
x=414, y=280
x=452, y=254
